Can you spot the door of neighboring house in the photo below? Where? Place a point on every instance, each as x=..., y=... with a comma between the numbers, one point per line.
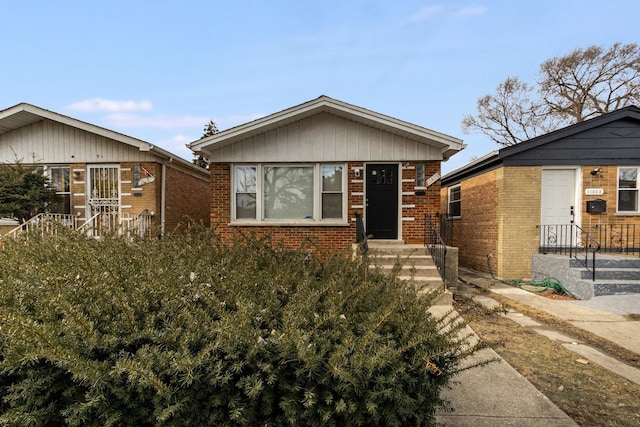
x=382, y=187
x=103, y=187
x=558, y=205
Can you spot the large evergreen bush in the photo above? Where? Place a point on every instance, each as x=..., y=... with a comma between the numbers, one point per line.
x=187, y=331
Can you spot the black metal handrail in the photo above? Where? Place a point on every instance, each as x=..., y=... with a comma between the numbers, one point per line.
x=570, y=239
x=361, y=235
x=435, y=243
x=622, y=238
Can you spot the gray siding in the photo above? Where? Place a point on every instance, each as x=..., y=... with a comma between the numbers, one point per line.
x=615, y=143
x=50, y=142
x=325, y=138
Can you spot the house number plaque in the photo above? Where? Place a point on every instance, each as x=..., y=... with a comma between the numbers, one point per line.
x=594, y=191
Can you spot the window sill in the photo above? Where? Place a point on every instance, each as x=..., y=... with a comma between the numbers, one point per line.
x=626, y=213
x=338, y=223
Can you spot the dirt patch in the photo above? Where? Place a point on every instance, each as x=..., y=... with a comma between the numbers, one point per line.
x=586, y=337
x=588, y=393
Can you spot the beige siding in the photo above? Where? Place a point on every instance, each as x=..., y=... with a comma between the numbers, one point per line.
x=324, y=138
x=51, y=142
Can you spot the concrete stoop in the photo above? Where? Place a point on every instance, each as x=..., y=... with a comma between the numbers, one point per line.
x=615, y=275
x=415, y=263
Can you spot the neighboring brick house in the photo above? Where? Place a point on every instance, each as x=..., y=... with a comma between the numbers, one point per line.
x=503, y=205
x=103, y=174
x=307, y=171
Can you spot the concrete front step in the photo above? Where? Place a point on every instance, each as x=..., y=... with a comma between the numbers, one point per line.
x=607, y=261
x=615, y=287
x=416, y=265
x=612, y=274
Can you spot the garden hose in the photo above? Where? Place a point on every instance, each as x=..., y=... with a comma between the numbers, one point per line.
x=544, y=284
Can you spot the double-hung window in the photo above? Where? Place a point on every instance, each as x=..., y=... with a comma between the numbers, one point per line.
x=59, y=177
x=628, y=189
x=289, y=193
x=454, y=202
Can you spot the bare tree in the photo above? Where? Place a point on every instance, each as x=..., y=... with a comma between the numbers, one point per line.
x=569, y=89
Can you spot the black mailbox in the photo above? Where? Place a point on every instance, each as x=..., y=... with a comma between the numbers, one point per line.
x=596, y=206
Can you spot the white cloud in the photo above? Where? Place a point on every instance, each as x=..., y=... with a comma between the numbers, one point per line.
x=425, y=12
x=468, y=11
x=109, y=105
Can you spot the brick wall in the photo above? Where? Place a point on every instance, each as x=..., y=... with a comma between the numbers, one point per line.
x=518, y=216
x=187, y=199
x=415, y=204
x=322, y=237
x=476, y=231
x=329, y=237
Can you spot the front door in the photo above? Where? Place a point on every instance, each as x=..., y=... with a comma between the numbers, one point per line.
x=104, y=196
x=382, y=188
x=558, y=206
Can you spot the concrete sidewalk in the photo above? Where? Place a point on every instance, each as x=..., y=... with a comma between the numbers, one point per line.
x=497, y=395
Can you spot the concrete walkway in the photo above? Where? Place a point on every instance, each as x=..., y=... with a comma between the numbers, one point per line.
x=497, y=395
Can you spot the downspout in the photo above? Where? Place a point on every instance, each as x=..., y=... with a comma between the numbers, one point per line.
x=163, y=197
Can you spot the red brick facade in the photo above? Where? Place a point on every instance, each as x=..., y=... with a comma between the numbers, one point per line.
x=414, y=207
x=187, y=200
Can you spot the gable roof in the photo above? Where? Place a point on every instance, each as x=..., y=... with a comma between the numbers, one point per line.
x=24, y=114
x=630, y=112
x=497, y=158
x=447, y=144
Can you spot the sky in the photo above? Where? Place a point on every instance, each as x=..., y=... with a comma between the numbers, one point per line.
x=160, y=70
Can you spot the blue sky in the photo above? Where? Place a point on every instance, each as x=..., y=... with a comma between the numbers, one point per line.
x=160, y=70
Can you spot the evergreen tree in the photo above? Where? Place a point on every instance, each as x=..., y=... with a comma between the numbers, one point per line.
x=24, y=191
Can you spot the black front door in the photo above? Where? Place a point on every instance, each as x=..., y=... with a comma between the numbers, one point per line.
x=382, y=201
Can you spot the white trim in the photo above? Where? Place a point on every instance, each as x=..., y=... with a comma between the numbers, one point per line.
x=317, y=196
x=637, y=191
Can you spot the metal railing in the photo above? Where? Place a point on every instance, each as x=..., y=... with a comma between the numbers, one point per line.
x=570, y=239
x=434, y=241
x=96, y=226
x=45, y=223
x=620, y=238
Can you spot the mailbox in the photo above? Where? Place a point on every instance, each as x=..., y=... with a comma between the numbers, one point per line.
x=596, y=206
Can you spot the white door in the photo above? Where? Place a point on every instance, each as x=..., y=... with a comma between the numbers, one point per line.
x=104, y=196
x=558, y=208
x=558, y=196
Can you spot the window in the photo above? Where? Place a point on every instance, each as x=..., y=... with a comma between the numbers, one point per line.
x=420, y=178
x=288, y=192
x=627, y=189
x=245, y=191
x=294, y=193
x=454, y=201
x=332, y=192
x=59, y=177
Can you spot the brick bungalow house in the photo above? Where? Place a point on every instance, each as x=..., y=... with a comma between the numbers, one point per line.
x=309, y=170
x=104, y=176
x=517, y=201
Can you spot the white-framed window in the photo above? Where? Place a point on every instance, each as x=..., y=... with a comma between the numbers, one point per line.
x=454, y=202
x=309, y=192
x=628, y=189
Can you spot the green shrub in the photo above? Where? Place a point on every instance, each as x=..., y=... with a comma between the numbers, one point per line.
x=187, y=331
